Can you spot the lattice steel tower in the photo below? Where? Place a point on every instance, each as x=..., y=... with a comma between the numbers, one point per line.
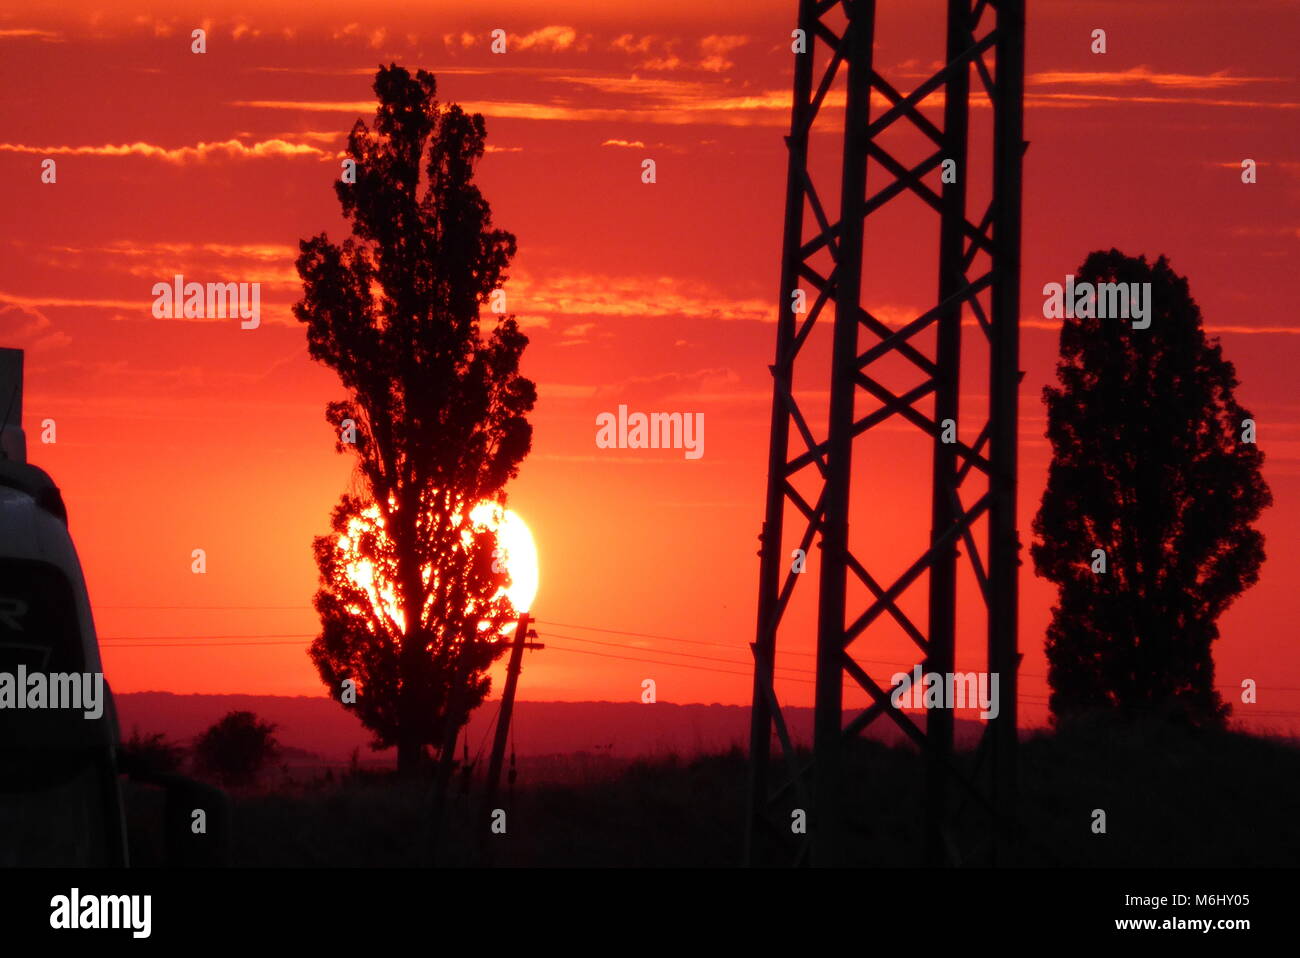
x=977, y=260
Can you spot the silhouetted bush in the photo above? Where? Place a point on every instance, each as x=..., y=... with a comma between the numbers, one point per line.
x=236, y=749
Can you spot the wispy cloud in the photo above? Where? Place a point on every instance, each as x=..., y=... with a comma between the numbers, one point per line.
x=553, y=38
x=263, y=252
x=582, y=294
x=718, y=382
x=674, y=101
x=30, y=328
x=1054, y=325
x=1272, y=232
x=1254, y=330
x=38, y=302
x=769, y=108
x=311, y=106
x=464, y=40
x=716, y=49
x=228, y=149
x=1144, y=75
x=630, y=43
x=1096, y=99
x=273, y=313
x=18, y=33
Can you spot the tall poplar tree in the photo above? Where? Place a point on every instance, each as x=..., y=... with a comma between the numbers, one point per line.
x=411, y=602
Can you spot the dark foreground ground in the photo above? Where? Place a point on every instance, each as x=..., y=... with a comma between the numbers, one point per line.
x=1171, y=797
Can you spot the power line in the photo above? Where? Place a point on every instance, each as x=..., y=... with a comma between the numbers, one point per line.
x=201, y=641
x=649, y=635
x=208, y=608
x=260, y=639
x=193, y=645
x=688, y=655
x=729, y=645
x=250, y=635
x=680, y=665
x=1035, y=700
x=567, y=625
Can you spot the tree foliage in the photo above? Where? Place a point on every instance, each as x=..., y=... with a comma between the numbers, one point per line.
x=411, y=597
x=236, y=748
x=1149, y=465
x=154, y=754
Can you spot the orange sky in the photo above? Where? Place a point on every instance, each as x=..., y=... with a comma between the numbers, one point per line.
x=181, y=434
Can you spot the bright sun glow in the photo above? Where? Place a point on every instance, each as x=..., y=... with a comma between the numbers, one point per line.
x=516, y=541
x=513, y=538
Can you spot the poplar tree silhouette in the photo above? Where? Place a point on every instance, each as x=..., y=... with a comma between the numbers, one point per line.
x=1151, y=465
x=411, y=600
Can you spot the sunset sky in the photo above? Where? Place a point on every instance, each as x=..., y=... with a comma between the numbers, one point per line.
x=178, y=434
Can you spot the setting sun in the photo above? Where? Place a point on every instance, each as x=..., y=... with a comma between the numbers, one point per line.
x=516, y=541
x=519, y=552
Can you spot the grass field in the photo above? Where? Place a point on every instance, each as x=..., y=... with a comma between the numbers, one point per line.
x=1171, y=796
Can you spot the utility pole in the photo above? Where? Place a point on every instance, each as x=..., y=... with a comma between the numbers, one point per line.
x=448, y=754
x=522, y=634
x=811, y=475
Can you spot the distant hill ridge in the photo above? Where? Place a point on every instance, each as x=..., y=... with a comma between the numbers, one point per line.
x=621, y=729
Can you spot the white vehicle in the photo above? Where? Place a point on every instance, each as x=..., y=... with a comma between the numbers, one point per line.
x=60, y=793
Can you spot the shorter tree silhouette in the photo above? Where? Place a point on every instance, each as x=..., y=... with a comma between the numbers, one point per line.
x=150, y=754
x=1146, y=522
x=236, y=749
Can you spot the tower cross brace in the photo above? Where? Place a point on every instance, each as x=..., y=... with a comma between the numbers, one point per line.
x=977, y=260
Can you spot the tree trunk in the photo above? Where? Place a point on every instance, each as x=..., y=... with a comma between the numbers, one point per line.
x=408, y=754
x=446, y=759
x=408, y=741
x=410, y=748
